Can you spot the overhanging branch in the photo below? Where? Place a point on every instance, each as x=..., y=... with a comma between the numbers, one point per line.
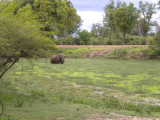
x=6, y=64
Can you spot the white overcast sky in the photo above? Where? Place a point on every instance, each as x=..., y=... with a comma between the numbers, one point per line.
x=92, y=11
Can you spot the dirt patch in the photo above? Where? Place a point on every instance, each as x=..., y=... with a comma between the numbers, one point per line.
x=114, y=116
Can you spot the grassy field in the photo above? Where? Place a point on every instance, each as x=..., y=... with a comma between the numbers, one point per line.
x=81, y=87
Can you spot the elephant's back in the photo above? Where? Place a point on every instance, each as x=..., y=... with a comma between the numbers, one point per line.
x=53, y=58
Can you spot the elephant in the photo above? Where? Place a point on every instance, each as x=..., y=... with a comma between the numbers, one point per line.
x=57, y=59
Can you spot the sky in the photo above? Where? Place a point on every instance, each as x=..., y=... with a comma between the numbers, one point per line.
x=92, y=11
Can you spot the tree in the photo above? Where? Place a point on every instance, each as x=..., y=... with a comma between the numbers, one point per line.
x=125, y=18
x=59, y=17
x=20, y=40
x=109, y=18
x=83, y=37
x=147, y=11
x=98, y=30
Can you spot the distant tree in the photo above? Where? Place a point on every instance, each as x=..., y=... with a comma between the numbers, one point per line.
x=99, y=31
x=83, y=37
x=96, y=30
x=109, y=18
x=57, y=16
x=125, y=18
x=147, y=11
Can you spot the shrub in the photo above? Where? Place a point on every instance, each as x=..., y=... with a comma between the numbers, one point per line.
x=69, y=40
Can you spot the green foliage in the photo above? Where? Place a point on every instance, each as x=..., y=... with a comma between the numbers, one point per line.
x=125, y=18
x=138, y=40
x=57, y=16
x=147, y=11
x=54, y=17
x=110, y=21
x=99, y=31
x=98, y=41
x=21, y=39
x=69, y=40
x=155, y=46
x=83, y=37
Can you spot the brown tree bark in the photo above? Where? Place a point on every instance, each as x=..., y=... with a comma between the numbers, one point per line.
x=6, y=64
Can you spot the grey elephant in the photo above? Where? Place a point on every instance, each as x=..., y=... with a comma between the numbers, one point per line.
x=57, y=59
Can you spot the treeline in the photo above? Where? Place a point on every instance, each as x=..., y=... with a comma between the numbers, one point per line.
x=58, y=20
x=123, y=24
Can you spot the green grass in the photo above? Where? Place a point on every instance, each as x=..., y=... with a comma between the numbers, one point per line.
x=79, y=52
x=40, y=90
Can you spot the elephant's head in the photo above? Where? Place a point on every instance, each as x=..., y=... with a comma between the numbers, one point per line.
x=61, y=58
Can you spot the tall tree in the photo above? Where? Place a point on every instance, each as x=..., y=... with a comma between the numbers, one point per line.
x=109, y=19
x=109, y=11
x=99, y=30
x=147, y=11
x=125, y=18
x=58, y=16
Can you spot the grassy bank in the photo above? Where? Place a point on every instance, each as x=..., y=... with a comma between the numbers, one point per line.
x=39, y=90
x=109, y=52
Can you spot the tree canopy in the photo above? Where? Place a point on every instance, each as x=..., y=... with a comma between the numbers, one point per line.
x=125, y=18
x=57, y=17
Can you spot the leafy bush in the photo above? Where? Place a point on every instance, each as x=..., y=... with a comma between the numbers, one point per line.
x=83, y=37
x=69, y=40
x=138, y=40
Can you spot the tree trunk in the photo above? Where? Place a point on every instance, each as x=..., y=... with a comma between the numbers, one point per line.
x=116, y=33
x=109, y=39
x=6, y=64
